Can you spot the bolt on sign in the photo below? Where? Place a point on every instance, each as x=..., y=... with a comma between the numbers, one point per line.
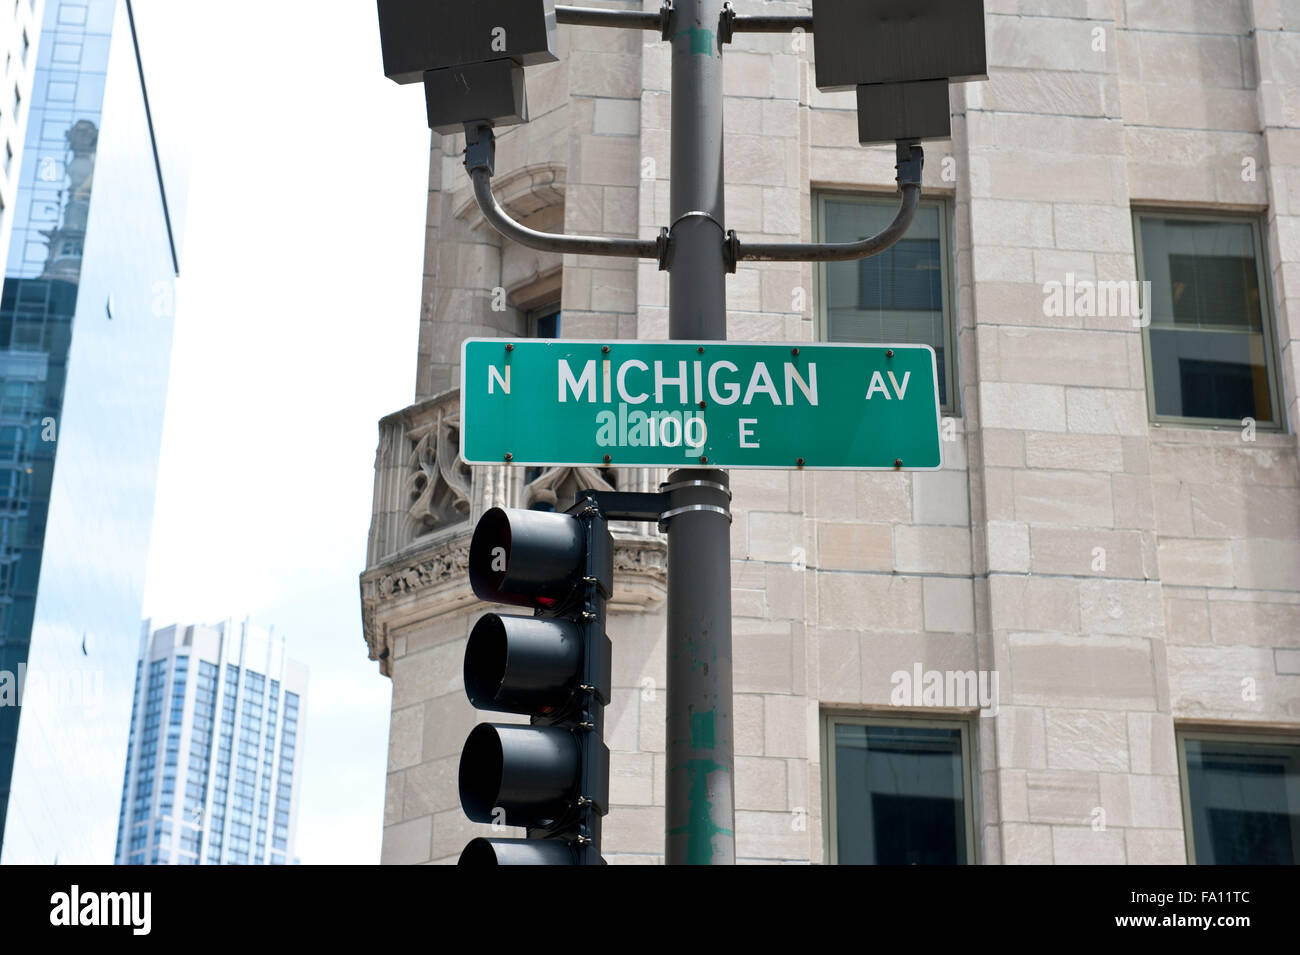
x=701, y=404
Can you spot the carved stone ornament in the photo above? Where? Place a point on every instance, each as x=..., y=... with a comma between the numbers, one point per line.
x=563, y=484
x=438, y=482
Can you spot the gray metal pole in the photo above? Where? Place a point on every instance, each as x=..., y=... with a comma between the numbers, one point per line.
x=700, y=817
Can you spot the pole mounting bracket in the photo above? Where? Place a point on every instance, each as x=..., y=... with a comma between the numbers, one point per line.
x=667, y=16
x=731, y=254
x=480, y=148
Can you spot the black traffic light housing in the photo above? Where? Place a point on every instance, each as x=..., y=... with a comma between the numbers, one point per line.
x=469, y=54
x=422, y=35
x=900, y=56
x=551, y=775
x=897, y=41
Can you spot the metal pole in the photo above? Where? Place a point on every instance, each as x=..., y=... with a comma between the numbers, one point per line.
x=600, y=17
x=700, y=818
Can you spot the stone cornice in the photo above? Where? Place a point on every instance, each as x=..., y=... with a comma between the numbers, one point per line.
x=423, y=584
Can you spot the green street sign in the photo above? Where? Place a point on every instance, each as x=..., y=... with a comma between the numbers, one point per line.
x=701, y=404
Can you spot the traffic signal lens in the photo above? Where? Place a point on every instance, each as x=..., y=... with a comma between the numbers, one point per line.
x=529, y=559
x=485, y=662
x=524, y=665
x=479, y=852
x=518, y=852
x=489, y=554
x=519, y=775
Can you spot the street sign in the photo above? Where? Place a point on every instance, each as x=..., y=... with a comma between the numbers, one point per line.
x=700, y=404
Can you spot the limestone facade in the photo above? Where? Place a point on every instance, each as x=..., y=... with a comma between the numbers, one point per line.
x=1094, y=108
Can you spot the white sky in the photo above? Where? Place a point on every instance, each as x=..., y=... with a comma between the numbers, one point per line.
x=297, y=315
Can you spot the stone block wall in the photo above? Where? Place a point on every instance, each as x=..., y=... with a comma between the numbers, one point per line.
x=1122, y=579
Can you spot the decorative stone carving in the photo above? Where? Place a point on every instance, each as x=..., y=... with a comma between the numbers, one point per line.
x=557, y=487
x=422, y=487
x=438, y=483
x=440, y=568
x=640, y=573
x=430, y=584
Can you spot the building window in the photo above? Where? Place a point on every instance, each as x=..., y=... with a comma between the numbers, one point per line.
x=1210, y=352
x=902, y=296
x=67, y=52
x=897, y=792
x=72, y=14
x=1241, y=798
x=544, y=322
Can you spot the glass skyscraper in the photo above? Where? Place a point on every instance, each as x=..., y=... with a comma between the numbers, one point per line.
x=20, y=30
x=85, y=346
x=213, y=765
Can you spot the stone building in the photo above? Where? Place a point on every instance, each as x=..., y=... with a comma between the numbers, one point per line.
x=1080, y=640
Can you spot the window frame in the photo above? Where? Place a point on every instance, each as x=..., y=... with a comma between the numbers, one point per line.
x=829, y=718
x=947, y=252
x=1216, y=734
x=1268, y=321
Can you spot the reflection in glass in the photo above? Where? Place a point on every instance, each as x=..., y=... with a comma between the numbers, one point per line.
x=899, y=795
x=1244, y=800
x=1207, y=346
x=85, y=342
x=36, y=319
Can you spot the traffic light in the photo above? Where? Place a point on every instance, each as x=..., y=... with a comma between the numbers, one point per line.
x=900, y=56
x=550, y=776
x=469, y=54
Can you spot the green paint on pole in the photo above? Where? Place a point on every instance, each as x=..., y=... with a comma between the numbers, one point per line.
x=703, y=730
x=702, y=41
x=700, y=827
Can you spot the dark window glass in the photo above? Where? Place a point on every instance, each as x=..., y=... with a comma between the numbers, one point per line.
x=896, y=297
x=1244, y=800
x=907, y=278
x=546, y=324
x=1206, y=344
x=899, y=795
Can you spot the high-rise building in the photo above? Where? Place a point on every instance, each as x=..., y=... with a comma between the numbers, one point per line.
x=1077, y=642
x=85, y=344
x=19, y=36
x=214, y=762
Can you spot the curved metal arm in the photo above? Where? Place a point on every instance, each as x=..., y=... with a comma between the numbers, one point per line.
x=837, y=251
x=479, y=160
x=911, y=159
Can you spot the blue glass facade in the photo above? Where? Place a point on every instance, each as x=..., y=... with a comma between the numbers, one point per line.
x=85, y=344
